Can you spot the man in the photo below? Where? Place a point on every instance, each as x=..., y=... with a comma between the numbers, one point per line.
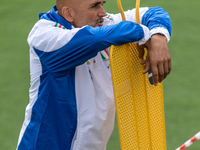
x=71, y=99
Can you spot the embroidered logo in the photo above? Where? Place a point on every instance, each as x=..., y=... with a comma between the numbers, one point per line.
x=59, y=26
x=104, y=55
x=107, y=17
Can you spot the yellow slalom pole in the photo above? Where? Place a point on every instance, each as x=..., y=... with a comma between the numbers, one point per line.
x=139, y=105
x=121, y=10
x=137, y=14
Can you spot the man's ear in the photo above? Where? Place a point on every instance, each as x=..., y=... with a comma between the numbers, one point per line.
x=67, y=13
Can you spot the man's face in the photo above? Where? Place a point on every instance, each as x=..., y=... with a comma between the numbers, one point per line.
x=89, y=12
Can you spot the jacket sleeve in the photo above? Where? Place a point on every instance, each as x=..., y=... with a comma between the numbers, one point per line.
x=155, y=18
x=158, y=21
x=61, y=49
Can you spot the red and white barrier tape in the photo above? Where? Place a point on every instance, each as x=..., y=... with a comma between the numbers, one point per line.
x=190, y=142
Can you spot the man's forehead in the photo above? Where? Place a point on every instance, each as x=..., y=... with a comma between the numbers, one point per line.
x=77, y=3
x=91, y=1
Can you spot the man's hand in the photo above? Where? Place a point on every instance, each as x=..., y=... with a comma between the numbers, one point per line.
x=158, y=57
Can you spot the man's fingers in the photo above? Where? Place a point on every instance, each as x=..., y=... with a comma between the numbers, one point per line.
x=167, y=70
x=161, y=71
x=167, y=67
x=143, y=62
x=154, y=74
x=146, y=67
x=141, y=51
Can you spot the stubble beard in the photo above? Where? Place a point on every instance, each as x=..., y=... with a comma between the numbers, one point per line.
x=97, y=21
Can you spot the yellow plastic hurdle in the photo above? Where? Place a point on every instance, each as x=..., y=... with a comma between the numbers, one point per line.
x=139, y=105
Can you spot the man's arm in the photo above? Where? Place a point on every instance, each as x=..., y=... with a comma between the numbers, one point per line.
x=61, y=49
x=158, y=56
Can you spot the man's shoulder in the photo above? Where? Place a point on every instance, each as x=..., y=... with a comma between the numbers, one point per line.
x=43, y=23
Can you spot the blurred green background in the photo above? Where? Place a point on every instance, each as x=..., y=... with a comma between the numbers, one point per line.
x=181, y=88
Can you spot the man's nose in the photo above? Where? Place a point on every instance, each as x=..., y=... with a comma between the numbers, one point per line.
x=102, y=12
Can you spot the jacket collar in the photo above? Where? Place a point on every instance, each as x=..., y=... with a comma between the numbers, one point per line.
x=53, y=16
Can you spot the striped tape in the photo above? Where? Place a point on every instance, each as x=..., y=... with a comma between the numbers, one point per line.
x=190, y=142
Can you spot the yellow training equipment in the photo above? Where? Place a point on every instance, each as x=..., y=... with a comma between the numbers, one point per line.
x=139, y=105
